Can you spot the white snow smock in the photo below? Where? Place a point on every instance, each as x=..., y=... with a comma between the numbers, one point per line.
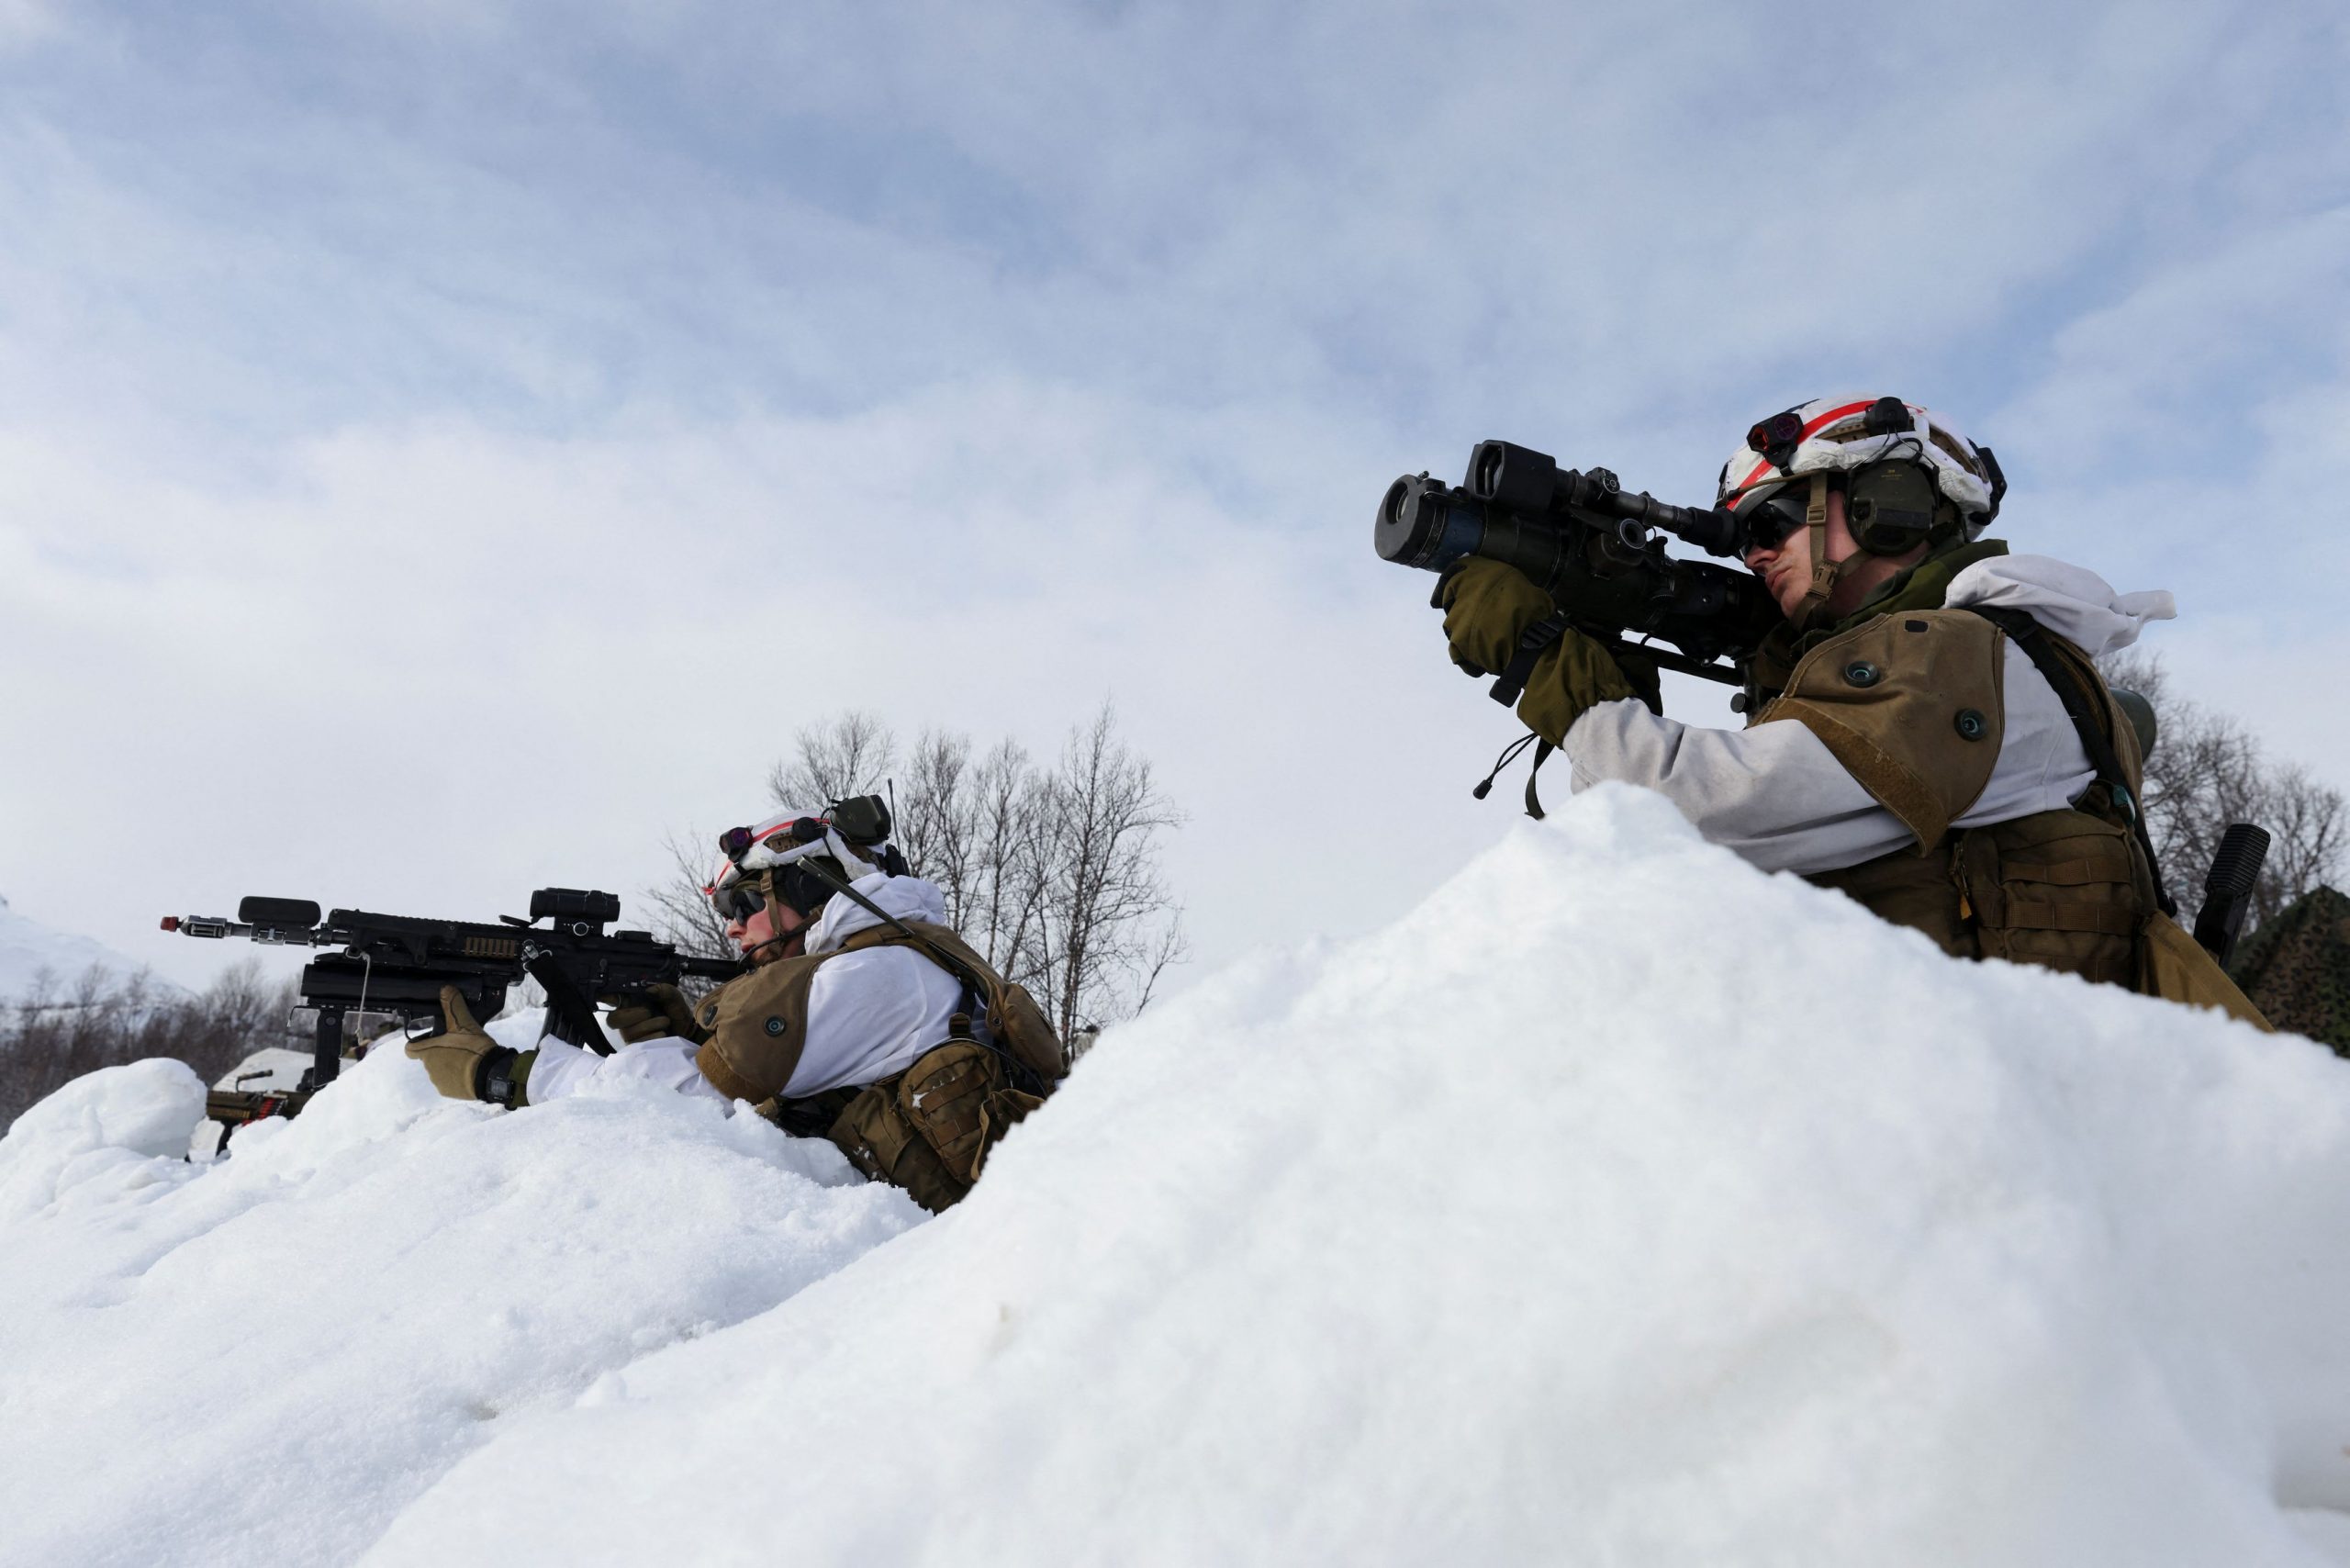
x=870, y=1013
x=1776, y=795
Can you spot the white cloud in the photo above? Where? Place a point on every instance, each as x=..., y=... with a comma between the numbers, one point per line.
x=24, y=23
x=439, y=453
x=432, y=668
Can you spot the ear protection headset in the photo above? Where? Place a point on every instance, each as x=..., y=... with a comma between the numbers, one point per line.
x=1892, y=506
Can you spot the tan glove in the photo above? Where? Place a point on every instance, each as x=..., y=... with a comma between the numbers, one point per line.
x=1575, y=674
x=1487, y=609
x=658, y=1010
x=456, y=1059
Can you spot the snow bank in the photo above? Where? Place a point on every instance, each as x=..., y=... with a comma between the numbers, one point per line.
x=1620, y=1205
x=262, y=1361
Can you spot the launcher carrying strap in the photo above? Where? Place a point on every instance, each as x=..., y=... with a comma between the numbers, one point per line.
x=1510, y=684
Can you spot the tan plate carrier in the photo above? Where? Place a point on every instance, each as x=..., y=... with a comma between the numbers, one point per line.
x=927, y=1129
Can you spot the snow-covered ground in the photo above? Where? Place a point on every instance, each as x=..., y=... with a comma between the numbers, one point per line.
x=29, y=949
x=1619, y=1205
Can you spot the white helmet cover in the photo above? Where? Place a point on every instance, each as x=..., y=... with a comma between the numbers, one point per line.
x=1829, y=434
x=772, y=845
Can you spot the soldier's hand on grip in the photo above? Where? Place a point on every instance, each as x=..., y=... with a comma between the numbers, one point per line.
x=659, y=1011
x=1487, y=609
x=1575, y=675
x=453, y=1058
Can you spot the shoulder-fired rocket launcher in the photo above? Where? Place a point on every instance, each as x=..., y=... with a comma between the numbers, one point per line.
x=1595, y=550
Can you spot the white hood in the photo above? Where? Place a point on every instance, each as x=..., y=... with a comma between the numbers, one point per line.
x=908, y=898
x=2071, y=601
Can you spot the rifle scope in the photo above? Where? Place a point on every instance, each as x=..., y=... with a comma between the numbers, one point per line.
x=565, y=905
x=1513, y=507
x=1524, y=480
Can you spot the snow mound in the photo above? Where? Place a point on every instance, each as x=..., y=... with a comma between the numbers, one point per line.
x=263, y=1359
x=1619, y=1204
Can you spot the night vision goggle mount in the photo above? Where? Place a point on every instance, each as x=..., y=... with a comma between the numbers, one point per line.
x=811, y=859
x=1890, y=504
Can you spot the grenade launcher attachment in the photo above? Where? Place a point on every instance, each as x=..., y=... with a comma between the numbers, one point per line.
x=1595, y=550
x=392, y=966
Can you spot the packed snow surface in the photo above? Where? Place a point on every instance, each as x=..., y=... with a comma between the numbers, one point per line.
x=1620, y=1205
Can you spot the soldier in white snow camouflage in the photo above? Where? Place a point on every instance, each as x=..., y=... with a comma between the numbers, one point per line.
x=862, y=1016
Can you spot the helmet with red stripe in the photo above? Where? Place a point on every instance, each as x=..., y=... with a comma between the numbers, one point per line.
x=1838, y=434
x=800, y=858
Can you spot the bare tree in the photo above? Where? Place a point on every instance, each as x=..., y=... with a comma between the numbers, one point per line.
x=2304, y=819
x=681, y=913
x=848, y=754
x=2208, y=770
x=1002, y=909
x=938, y=828
x=53, y=1035
x=984, y=832
x=1109, y=925
x=1052, y=875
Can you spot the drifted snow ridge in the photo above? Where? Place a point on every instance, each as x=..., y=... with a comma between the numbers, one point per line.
x=1619, y=1204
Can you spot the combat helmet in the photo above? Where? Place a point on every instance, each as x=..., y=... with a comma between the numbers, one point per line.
x=801, y=858
x=1909, y=478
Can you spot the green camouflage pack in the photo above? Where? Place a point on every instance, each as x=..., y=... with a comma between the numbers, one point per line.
x=2296, y=969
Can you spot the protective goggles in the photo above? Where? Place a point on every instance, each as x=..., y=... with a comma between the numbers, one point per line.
x=1774, y=517
x=778, y=851
x=738, y=900
x=1780, y=513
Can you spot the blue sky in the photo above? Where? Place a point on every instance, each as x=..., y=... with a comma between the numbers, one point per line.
x=444, y=447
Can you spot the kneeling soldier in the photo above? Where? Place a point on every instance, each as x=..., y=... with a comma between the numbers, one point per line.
x=860, y=1017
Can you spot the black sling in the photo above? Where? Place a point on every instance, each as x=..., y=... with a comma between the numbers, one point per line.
x=2034, y=639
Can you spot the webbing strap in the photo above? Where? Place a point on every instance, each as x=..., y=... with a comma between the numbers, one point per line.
x=1542, y=750
x=2032, y=638
x=979, y=1003
x=1824, y=572
x=1510, y=684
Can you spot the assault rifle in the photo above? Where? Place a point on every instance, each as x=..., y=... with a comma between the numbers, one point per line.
x=1595, y=551
x=393, y=966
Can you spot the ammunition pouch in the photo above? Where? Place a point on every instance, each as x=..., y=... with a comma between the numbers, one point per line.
x=2065, y=889
x=929, y=1128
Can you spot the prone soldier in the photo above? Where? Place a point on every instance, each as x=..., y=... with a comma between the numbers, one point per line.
x=861, y=1017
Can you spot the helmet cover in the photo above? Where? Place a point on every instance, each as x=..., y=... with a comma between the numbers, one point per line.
x=1838, y=434
x=783, y=840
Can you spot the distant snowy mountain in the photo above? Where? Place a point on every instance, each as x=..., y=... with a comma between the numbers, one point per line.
x=27, y=948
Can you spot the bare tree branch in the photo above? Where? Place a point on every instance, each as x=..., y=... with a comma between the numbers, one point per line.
x=1053, y=876
x=2208, y=770
x=848, y=754
x=681, y=913
x=1109, y=910
x=50, y=1038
